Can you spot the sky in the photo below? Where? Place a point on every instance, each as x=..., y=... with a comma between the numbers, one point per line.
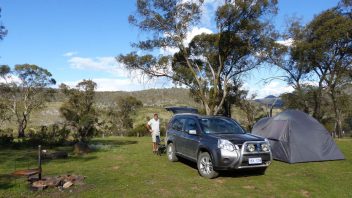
x=79, y=39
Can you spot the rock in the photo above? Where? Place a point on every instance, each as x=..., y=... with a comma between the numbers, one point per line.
x=52, y=181
x=67, y=184
x=39, y=185
x=81, y=148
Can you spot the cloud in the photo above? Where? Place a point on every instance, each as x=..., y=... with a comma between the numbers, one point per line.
x=10, y=79
x=69, y=54
x=275, y=88
x=190, y=35
x=103, y=64
x=287, y=42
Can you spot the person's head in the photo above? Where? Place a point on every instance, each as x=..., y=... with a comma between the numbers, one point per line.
x=156, y=116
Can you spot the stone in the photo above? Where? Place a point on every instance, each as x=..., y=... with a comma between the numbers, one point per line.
x=67, y=184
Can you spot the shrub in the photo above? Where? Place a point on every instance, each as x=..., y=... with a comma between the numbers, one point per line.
x=6, y=137
x=139, y=131
x=48, y=135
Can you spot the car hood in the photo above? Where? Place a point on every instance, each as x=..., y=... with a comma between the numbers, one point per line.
x=238, y=138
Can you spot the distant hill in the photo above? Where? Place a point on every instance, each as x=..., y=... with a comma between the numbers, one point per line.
x=271, y=100
x=149, y=97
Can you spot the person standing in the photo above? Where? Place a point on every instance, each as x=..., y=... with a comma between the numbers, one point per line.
x=154, y=128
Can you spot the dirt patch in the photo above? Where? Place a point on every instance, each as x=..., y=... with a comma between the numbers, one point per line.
x=220, y=181
x=119, y=158
x=249, y=187
x=115, y=167
x=305, y=193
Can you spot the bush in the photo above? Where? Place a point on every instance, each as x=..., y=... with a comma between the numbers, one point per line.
x=48, y=135
x=139, y=131
x=6, y=137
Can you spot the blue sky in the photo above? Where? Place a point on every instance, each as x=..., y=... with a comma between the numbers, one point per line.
x=78, y=39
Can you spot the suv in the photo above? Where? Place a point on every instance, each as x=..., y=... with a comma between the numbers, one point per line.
x=214, y=143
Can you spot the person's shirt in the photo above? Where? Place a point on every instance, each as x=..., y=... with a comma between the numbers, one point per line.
x=154, y=125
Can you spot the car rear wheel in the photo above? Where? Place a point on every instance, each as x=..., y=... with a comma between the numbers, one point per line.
x=171, y=153
x=205, y=166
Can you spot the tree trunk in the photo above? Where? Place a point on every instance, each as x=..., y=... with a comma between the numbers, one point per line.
x=338, y=128
x=21, y=128
x=317, y=104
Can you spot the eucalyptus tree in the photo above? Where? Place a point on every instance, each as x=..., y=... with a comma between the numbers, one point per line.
x=79, y=109
x=23, y=90
x=209, y=62
x=328, y=52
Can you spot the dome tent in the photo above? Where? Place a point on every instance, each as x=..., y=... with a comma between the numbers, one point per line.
x=297, y=137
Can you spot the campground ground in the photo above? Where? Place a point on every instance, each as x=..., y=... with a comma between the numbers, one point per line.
x=126, y=167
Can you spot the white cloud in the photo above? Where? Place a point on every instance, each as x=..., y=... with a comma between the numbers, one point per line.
x=275, y=88
x=103, y=64
x=287, y=42
x=10, y=79
x=69, y=54
x=190, y=35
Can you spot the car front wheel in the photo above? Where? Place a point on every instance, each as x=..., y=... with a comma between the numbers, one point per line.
x=171, y=153
x=205, y=166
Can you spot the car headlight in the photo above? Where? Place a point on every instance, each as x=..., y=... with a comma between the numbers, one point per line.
x=265, y=147
x=250, y=147
x=227, y=145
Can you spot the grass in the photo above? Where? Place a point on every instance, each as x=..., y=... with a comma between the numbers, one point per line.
x=129, y=169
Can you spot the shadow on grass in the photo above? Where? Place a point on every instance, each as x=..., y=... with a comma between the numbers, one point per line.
x=6, y=181
x=229, y=173
x=113, y=142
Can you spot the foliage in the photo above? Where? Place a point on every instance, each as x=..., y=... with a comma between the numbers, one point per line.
x=6, y=137
x=3, y=31
x=53, y=135
x=252, y=110
x=210, y=61
x=27, y=94
x=139, y=131
x=79, y=110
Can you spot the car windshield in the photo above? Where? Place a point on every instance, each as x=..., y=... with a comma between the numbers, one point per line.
x=220, y=125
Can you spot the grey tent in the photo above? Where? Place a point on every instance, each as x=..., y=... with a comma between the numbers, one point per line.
x=297, y=137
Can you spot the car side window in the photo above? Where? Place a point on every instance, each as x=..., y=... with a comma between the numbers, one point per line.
x=178, y=124
x=191, y=124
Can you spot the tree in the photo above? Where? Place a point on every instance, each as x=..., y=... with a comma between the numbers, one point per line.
x=79, y=110
x=210, y=61
x=288, y=57
x=328, y=52
x=27, y=94
x=252, y=110
x=3, y=31
x=119, y=118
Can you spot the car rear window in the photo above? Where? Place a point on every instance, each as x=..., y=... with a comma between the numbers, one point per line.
x=177, y=124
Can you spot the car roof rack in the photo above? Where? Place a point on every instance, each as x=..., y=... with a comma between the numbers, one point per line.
x=178, y=110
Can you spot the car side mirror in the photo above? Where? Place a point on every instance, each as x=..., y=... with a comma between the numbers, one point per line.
x=192, y=132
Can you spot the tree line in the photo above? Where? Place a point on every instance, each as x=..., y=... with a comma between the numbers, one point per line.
x=315, y=59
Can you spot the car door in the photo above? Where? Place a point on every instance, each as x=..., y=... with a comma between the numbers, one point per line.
x=191, y=141
x=177, y=130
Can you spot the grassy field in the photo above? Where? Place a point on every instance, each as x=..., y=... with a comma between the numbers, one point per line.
x=127, y=168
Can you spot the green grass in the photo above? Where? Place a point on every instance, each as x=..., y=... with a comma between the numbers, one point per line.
x=129, y=169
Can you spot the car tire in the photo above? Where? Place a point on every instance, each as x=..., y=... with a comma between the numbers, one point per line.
x=260, y=171
x=205, y=166
x=171, y=152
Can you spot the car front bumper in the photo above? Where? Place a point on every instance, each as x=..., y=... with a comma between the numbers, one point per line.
x=239, y=159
